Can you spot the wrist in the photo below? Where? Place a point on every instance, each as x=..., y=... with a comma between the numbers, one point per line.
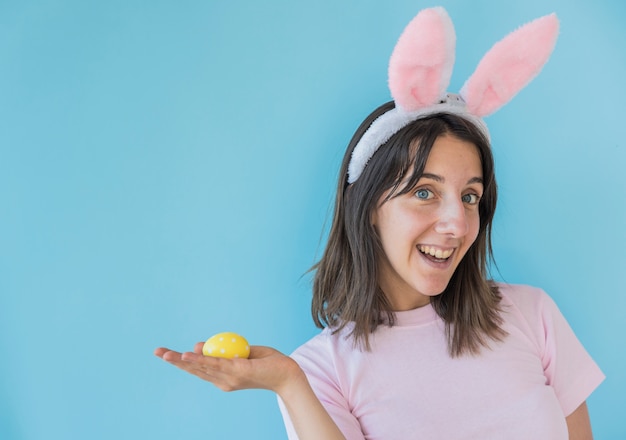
x=294, y=383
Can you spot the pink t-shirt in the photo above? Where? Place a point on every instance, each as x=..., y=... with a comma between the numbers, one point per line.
x=408, y=387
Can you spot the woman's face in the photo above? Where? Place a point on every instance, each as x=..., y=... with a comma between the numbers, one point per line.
x=426, y=232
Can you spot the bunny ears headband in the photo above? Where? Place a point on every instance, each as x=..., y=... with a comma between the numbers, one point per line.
x=421, y=66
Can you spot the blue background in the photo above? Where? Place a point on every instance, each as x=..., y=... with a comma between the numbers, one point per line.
x=167, y=171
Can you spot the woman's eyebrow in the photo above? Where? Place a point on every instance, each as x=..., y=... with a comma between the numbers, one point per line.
x=434, y=177
x=440, y=179
x=475, y=180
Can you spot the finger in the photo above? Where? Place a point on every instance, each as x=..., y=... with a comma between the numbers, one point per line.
x=206, y=368
x=200, y=362
x=198, y=347
x=193, y=363
x=171, y=356
x=161, y=351
x=207, y=365
x=225, y=374
x=220, y=372
x=185, y=361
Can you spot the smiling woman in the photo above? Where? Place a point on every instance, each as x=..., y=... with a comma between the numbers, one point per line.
x=378, y=216
x=426, y=232
x=166, y=170
x=417, y=340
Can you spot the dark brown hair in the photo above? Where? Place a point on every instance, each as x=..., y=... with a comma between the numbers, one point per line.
x=345, y=285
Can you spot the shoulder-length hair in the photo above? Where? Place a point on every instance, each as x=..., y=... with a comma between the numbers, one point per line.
x=345, y=284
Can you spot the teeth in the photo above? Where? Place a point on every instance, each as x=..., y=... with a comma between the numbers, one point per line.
x=434, y=252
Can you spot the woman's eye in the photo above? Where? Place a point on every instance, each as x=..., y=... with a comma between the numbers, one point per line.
x=423, y=194
x=470, y=199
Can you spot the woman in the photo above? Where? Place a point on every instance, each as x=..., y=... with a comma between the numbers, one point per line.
x=418, y=342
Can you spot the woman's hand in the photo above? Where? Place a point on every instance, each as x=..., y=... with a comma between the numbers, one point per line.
x=265, y=368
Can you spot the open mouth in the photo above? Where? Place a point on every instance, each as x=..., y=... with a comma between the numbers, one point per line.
x=435, y=254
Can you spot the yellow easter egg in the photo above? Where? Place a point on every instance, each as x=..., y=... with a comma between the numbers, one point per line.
x=226, y=345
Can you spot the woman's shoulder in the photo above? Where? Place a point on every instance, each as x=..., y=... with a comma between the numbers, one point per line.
x=322, y=356
x=528, y=304
x=326, y=342
x=522, y=295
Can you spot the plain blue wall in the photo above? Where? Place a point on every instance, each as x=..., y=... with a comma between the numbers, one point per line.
x=166, y=171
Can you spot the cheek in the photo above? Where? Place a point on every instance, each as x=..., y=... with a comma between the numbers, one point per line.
x=474, y=228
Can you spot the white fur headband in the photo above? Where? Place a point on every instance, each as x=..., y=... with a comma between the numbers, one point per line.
x=421, y=66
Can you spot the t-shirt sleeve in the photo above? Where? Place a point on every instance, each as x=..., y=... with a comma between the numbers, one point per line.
x=569, y=369
x=316, y=360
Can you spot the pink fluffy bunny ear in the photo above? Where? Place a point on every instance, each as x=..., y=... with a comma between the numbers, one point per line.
x=510, y=65
x=421, y=66
x=421, y=63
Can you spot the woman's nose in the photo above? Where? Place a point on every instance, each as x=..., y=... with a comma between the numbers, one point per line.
x=452, y=219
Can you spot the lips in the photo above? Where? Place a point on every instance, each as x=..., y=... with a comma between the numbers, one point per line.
x=435, y=253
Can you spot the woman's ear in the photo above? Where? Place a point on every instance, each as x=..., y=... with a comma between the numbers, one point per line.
x=374, y=218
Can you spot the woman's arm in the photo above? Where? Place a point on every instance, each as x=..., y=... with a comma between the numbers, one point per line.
x=578, y=424
x=309, y=418
x=267, y=369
